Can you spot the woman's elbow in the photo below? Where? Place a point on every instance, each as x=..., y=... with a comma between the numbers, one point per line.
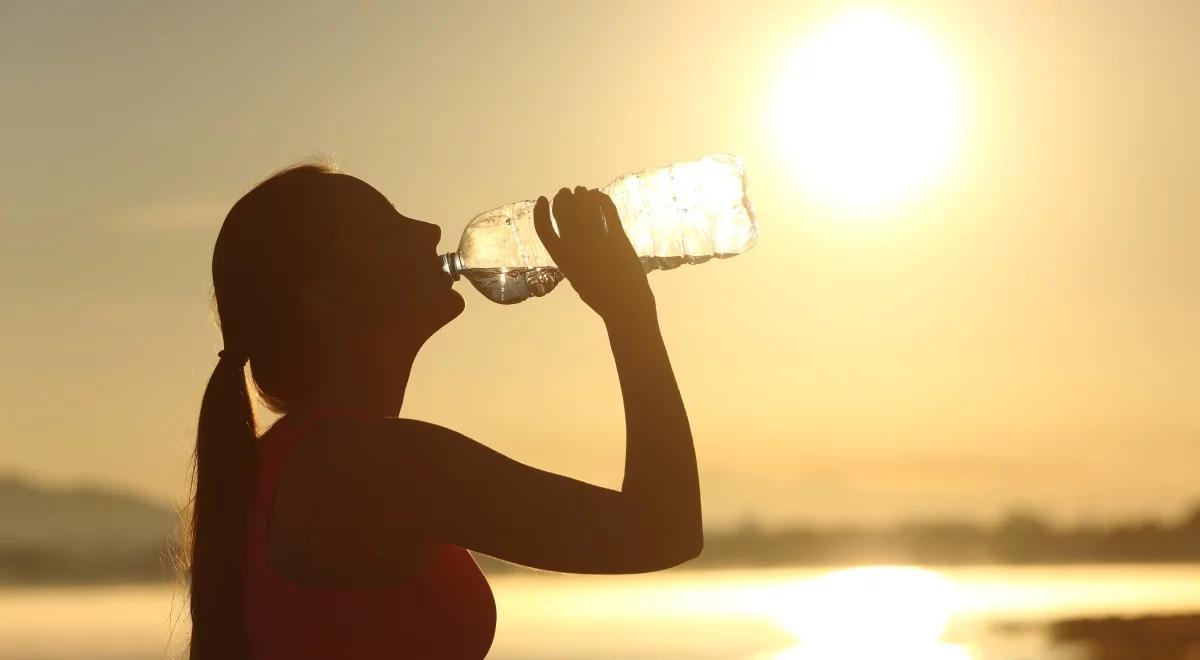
x=679, y=552
x=694, y=548
x=662, y=546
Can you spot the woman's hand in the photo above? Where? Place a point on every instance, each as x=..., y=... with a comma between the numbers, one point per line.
x=594, y=254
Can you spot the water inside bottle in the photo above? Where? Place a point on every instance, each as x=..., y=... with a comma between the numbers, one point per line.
x=509, y=286
x=512, y=285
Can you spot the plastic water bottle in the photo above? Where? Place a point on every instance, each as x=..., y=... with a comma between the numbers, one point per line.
x=683, y=213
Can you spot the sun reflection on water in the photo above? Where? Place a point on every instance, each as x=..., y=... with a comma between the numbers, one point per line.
x=891, y=612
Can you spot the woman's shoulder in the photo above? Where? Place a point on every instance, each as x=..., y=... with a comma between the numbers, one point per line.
x=349, y=421
x=345, y=431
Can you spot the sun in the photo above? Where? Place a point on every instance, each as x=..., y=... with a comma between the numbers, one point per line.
x=868, y=111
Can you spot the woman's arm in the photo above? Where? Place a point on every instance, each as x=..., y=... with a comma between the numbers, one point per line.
x=660, y=459
x=404, y=477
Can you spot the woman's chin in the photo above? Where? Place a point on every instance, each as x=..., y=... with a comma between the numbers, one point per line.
x=454, y=304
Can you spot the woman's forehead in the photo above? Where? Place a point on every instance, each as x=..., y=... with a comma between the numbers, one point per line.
x=354, y=192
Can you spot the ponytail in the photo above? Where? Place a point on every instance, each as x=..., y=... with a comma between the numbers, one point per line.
x=224, y=469
x=272, y=237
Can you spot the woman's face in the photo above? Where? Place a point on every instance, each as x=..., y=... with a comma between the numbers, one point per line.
x=391, y=274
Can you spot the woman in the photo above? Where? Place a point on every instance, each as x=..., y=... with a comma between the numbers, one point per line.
x=343, y=531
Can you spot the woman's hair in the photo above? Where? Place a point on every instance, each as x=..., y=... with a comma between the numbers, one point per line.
x=274, y=237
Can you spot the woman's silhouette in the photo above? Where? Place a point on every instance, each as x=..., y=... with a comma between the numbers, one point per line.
x=342, y=531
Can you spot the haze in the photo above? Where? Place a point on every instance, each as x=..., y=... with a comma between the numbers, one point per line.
x=1024, y=333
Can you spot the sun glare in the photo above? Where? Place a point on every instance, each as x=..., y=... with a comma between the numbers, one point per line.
x=870, y=612
x=868, y=111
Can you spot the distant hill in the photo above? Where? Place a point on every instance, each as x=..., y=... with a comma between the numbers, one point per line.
x=34, y=515
x=81, y=534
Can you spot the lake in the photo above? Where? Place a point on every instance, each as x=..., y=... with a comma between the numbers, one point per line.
x=902, y=613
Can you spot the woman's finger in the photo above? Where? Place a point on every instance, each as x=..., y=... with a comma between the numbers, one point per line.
x=564, y=215
x=545, y=231
x=612, y=219
x=591, y=224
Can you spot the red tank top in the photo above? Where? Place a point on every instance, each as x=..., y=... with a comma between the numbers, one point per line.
x=444, y=611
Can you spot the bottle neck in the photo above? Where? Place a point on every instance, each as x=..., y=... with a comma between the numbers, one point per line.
x=452, y=265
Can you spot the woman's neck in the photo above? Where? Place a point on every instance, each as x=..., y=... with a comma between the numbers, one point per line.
x=371, y=388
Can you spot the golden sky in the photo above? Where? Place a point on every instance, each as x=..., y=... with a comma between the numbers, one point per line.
x=1025, y=330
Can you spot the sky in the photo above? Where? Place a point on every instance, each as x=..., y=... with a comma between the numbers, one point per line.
x=1023, y=331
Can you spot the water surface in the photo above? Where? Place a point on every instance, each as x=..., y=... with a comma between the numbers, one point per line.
x=753, y=614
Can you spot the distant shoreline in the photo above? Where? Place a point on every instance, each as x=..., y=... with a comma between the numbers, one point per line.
x=96, y=536
x=495, y=567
